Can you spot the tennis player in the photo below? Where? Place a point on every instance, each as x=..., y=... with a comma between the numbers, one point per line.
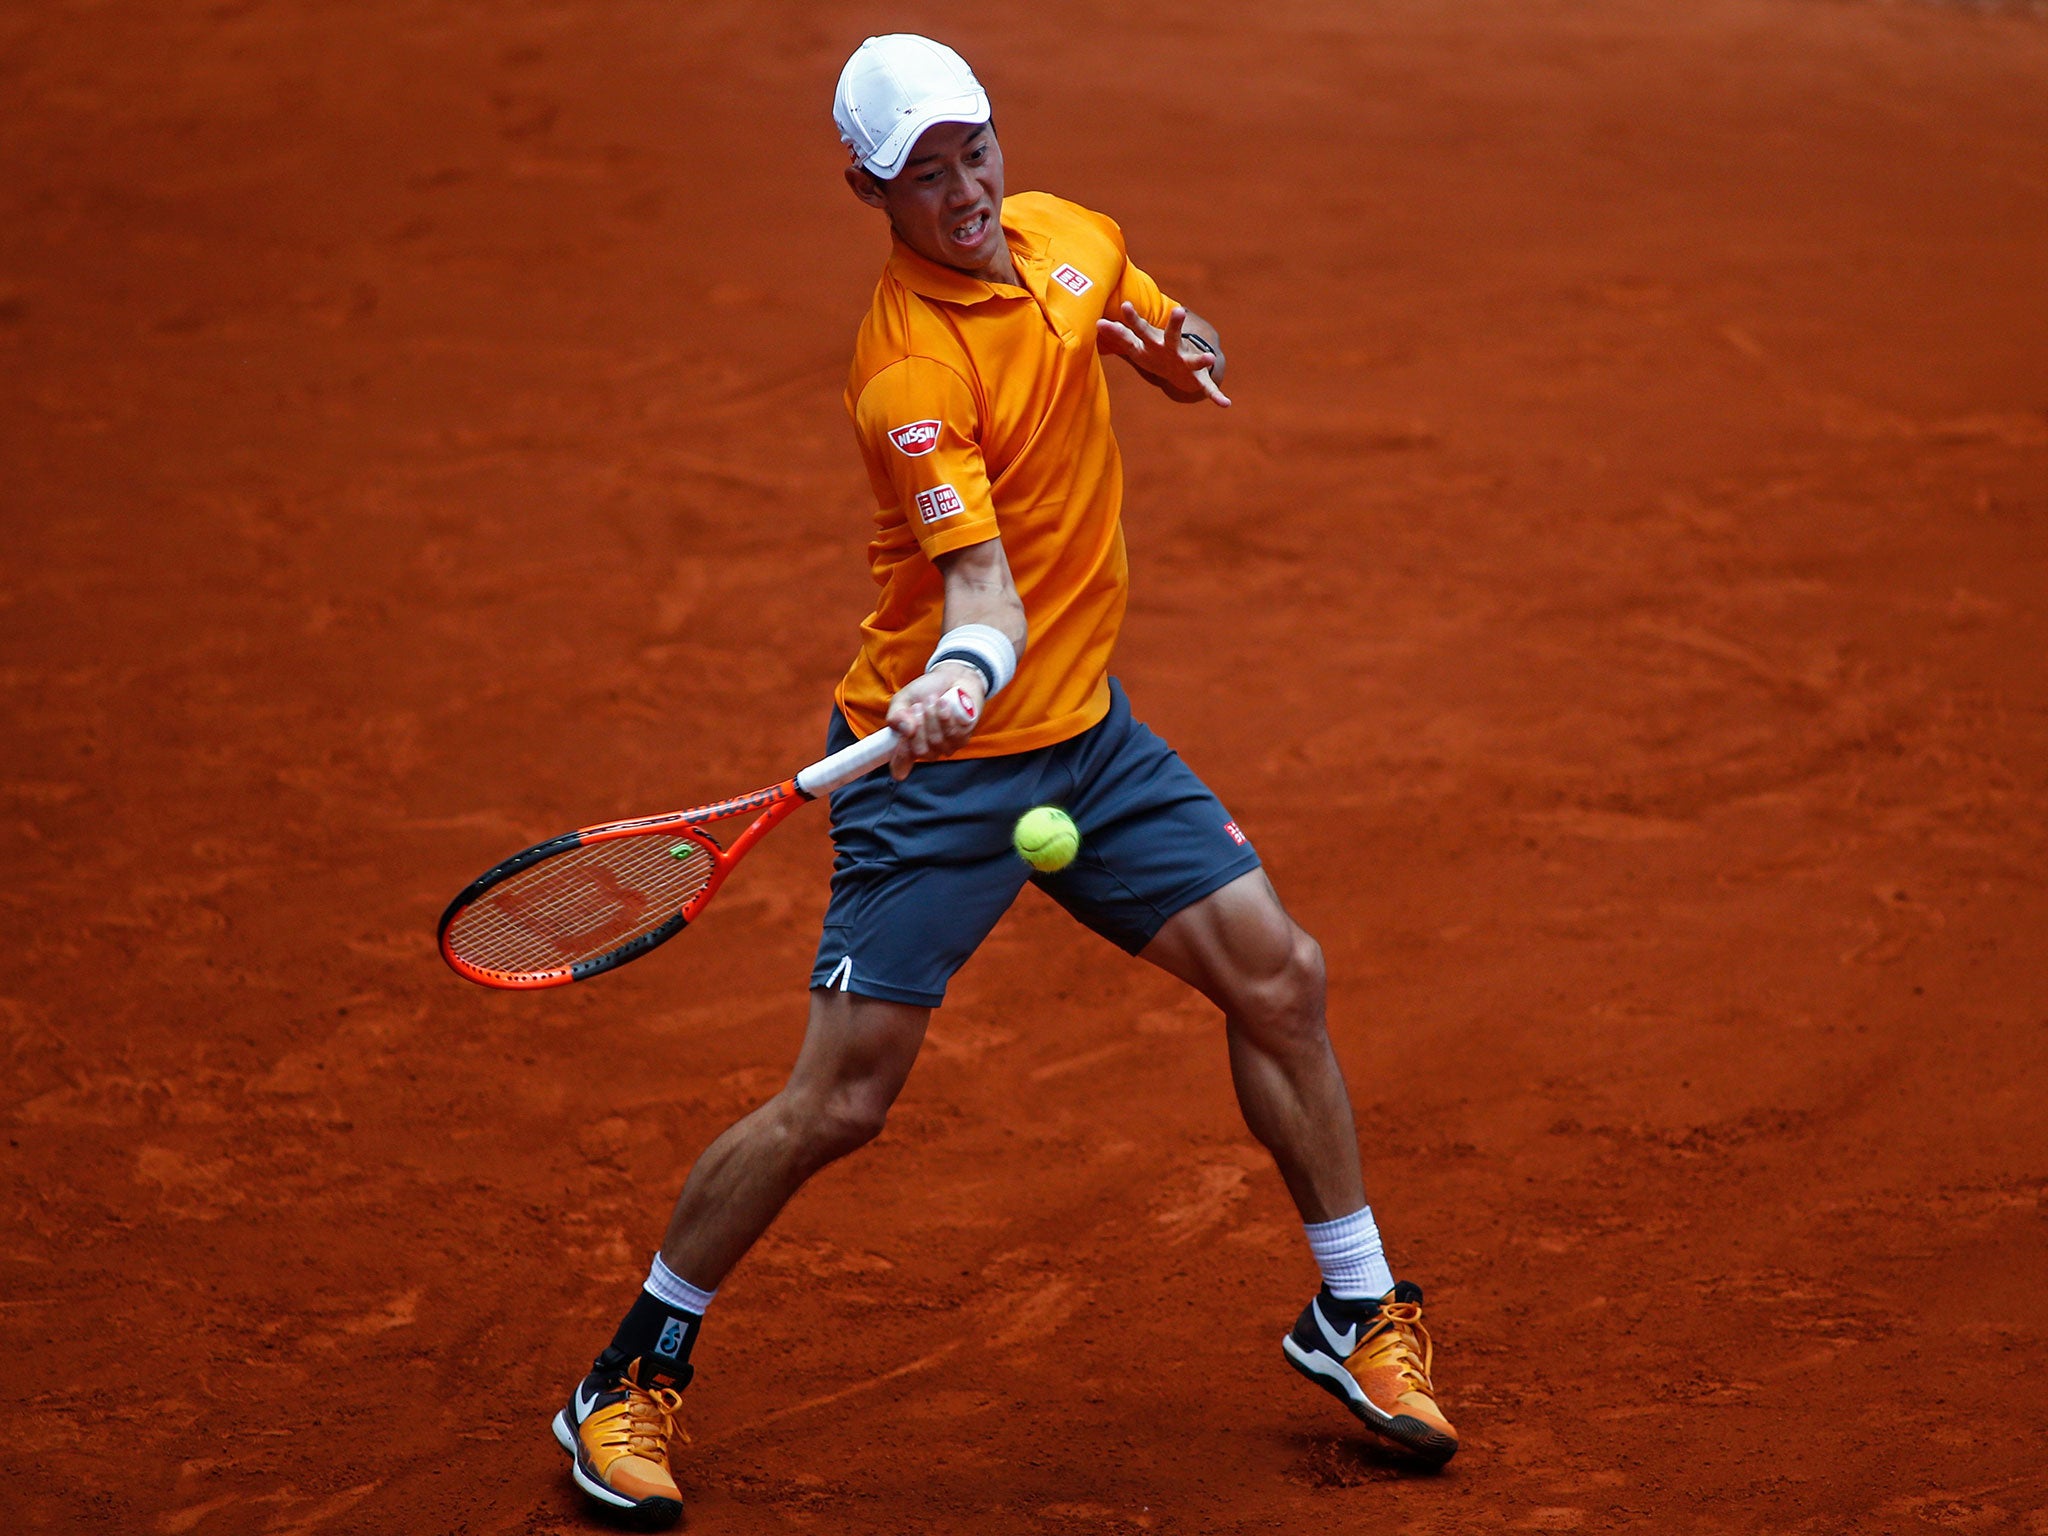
x=982, y=412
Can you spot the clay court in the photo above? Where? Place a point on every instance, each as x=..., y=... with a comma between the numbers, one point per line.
x=1614, y=607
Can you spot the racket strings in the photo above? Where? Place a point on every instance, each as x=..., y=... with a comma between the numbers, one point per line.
x=581, y=904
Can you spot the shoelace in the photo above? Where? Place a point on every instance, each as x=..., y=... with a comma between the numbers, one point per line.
x=649, y=1422
x=1397, y=1328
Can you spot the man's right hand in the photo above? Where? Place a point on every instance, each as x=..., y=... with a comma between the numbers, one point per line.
x=932, y=725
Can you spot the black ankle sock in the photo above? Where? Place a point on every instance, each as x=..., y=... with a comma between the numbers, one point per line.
x=1349, y=1309
x=657, y=1334
x=1365, y=1307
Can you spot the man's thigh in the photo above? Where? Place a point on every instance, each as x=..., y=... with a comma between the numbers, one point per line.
x=1232, y=944
x=855, y=1044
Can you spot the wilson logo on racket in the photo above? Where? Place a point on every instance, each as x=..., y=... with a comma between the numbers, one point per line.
x=917, y=439
x=940, y=501
x=1073, y=280
x=576, y=910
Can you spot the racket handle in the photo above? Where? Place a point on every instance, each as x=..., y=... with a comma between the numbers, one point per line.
x=870, y=752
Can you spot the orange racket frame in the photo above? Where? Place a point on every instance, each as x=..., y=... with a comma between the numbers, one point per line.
x=774, y=803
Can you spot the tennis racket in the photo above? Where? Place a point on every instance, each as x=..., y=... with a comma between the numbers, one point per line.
x=588, y=901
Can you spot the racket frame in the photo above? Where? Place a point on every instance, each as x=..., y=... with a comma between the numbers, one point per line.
x=774, y=803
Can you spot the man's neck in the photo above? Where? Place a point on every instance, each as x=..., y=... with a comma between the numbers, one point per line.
x=999, y=268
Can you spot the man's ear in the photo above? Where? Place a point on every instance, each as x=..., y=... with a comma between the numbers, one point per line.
x=865, y=187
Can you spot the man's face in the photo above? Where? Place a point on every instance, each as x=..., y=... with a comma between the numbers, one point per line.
x=946, y=201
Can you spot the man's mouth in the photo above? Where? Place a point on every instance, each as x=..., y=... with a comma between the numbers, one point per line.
x=971, y=231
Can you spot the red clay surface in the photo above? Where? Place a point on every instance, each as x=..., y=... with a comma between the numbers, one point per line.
x=1615, y=608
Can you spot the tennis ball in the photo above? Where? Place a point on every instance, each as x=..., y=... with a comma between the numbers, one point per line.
x=1047, y=838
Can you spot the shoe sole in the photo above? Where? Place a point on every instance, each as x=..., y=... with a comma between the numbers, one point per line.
x=1404, y=1429
x=652, y=1513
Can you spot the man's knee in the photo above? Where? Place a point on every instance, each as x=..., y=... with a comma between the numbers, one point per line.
x=826, y=1122
x=1284, y=1005
x=856, y=1055
x=1305, y=968
x=851, y=1118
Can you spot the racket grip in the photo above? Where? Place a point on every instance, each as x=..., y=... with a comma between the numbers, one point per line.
x=870, y=752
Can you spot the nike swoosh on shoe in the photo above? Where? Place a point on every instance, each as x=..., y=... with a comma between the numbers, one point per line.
x=1343, y=1343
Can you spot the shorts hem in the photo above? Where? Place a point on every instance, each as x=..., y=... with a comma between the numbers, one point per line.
x=1166, y=910
x=882, y=992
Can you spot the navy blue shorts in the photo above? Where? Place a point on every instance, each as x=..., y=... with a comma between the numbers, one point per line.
x=926, y=867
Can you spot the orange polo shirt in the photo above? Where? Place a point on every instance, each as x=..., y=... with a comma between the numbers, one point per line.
x=982, y=411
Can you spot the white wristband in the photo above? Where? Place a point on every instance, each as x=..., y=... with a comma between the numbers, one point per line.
x=983, y=647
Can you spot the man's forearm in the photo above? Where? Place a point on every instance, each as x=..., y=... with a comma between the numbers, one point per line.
x=979, y=591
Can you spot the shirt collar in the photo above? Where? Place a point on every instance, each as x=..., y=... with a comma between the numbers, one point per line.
x=952, y=286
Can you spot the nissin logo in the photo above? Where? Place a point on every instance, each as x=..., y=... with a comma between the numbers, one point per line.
x=1073, y=280
x=917, y=439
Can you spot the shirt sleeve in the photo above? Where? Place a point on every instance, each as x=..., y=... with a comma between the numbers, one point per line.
x=1137, y=288
x=920, y=430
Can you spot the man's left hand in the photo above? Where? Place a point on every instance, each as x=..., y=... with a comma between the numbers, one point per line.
x=1179, y=363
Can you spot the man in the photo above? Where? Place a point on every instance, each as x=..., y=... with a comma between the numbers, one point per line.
x=982, y=411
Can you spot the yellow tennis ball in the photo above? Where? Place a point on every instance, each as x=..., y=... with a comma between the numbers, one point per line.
x=1047, y=838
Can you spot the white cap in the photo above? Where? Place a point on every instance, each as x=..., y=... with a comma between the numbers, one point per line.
x=895, y=87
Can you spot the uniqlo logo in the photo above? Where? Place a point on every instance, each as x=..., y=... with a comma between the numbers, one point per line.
x=1072, y=280
x=917, y=439
x=938, y=502
x=1236, y=836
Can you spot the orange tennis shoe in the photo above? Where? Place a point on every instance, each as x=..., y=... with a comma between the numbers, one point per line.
x=618, y=1431
x=1374, y=1358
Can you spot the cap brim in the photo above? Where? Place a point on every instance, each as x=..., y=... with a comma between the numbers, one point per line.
x=890, y=154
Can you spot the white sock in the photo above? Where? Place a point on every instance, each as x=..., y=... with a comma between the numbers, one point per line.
x=664, y=1284
x=1348, y=1250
